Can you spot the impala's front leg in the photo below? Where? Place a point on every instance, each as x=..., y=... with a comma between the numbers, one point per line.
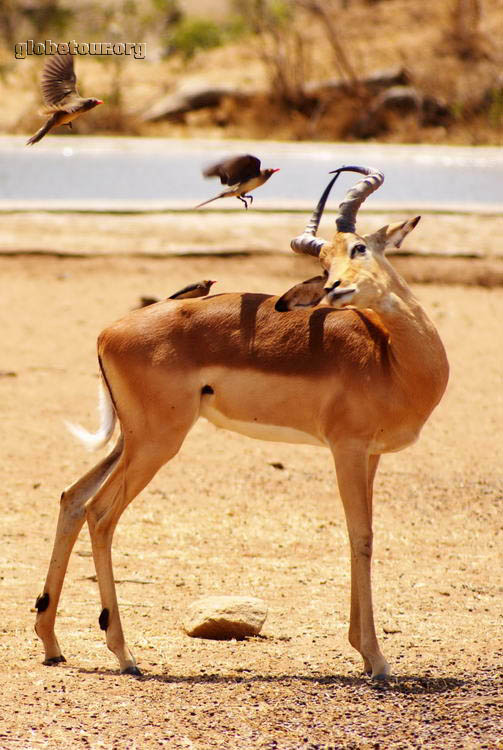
x=355, y=634
x=354, y=475
x=70, y=521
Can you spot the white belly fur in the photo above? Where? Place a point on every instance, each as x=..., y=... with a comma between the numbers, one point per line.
x=272, y=432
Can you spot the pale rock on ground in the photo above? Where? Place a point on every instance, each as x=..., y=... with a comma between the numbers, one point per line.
x=225, y=617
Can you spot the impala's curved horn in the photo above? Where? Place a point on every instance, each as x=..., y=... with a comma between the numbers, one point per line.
x=374, y=178
x=307, y=242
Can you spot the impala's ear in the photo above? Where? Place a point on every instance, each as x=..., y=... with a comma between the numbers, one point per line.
x=307, y=294
x=392, y=235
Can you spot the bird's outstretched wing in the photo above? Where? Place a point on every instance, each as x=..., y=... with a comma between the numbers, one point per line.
x=234, y=170
x=58, y=79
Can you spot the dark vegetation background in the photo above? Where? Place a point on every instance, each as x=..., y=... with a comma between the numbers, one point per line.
x=392, y=70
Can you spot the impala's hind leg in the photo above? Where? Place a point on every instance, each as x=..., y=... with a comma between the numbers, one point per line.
x=141, y=459
x=70, y=520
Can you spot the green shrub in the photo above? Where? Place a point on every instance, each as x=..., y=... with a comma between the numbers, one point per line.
x=194, y=34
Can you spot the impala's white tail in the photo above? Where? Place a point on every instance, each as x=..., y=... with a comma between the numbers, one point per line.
x=95, y=440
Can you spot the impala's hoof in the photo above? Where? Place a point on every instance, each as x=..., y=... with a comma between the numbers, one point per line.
x=132, y=670
x=381, y=677
x=54, y=660
x=382, y=673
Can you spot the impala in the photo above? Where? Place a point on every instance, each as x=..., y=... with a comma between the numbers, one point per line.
x=347, y=360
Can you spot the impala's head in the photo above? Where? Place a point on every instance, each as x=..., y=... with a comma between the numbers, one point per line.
x=355, y=270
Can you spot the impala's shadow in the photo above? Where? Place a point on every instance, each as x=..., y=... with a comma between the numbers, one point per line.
x=406, y=684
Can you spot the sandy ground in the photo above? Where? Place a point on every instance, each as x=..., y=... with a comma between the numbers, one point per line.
x=230, y=231
x=221, y=519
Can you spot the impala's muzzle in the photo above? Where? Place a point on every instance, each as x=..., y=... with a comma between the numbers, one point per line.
x=338, y=295
x=332, y=287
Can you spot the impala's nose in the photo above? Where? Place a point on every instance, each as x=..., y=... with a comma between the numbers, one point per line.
x=340, y=295
x=331, y=287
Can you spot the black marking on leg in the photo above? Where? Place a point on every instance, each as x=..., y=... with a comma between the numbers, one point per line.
x=104, y=619
x=54, y=660
x=42, y=602
x=207, y=389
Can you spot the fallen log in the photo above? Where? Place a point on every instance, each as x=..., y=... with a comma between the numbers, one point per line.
x=192, y=97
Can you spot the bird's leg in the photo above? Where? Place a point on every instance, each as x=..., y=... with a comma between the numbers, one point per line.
x=70, y=125
x=250, y=198
x=239, y=197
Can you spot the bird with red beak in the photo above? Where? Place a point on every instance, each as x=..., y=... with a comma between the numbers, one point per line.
x=63, y=102
x=242, y=173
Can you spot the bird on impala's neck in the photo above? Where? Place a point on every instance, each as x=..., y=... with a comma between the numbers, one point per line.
x=242, y=173
x=59, y=89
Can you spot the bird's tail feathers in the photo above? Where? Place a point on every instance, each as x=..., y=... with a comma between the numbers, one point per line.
x=39, y=134
x=108, y=418
x=221, y=195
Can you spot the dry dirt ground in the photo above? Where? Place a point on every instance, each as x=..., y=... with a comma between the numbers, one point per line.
x=220, y=518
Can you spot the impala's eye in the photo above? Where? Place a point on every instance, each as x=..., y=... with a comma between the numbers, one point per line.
x=358, y=250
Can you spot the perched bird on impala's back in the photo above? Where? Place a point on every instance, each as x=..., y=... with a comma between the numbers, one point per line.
x=63, y=102
x=199, y=289
x=242, y=173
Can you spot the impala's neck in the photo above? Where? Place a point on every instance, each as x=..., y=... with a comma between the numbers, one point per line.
x=417, y=354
